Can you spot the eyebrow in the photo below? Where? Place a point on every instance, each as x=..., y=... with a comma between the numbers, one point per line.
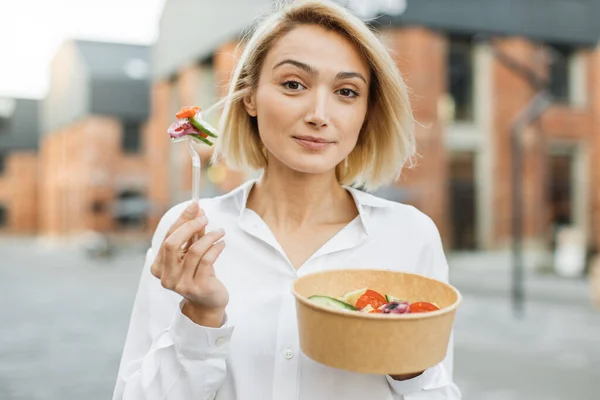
x=348, y=75
x=313, y=71
x=310, y=69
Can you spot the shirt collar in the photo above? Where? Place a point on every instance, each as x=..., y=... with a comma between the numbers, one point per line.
x=364, y=201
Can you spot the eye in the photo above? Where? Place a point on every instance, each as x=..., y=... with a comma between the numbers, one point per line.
x=293, y=85
x=349, y=93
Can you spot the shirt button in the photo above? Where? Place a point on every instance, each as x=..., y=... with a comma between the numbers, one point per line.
x=220, y=341
x=288, y=353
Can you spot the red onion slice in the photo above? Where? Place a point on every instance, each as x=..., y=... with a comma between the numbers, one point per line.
x=181, y=128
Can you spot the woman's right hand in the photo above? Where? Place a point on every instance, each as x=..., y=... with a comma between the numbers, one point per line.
x=186, y=267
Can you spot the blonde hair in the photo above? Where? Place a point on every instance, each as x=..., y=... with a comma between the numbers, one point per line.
x=386, y=141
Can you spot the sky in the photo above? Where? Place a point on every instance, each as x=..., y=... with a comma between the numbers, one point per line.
x=32, y=30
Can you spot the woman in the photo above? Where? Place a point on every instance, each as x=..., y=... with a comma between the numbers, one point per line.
x=317, y=103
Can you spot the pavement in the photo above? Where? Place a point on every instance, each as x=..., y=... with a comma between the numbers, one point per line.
x=551, y=352
x=64, y=319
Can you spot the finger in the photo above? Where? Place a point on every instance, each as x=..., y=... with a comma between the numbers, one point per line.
x=198, y=235
x=190, y=212
x=198, y=250
x=188, y=285
x=174, y=244
x=155, y=270
x=156, y=267
x=206, y=266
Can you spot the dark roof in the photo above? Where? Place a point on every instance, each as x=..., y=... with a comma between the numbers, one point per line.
x=119, y=76
x=559, y=21
x=125, y=99
x=20, y=129
x=113, y=60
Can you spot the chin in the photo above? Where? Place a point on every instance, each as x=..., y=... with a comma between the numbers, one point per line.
x=312, y=166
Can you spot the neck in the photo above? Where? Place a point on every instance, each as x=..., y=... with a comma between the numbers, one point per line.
x=289, y=200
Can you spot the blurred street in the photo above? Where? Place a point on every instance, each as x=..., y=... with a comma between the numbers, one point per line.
x=64, y=319
x=553, y=353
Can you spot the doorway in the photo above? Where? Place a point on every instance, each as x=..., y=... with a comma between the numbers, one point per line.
x=463, y=201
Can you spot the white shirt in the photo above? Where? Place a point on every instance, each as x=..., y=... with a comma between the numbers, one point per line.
x=255, y=355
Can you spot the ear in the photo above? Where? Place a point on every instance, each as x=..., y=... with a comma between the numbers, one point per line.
x=250, y=104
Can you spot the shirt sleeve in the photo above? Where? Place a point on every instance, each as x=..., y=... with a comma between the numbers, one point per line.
x=436, y=382
x=166, y=355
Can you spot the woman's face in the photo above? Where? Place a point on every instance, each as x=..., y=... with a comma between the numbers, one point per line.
x=311, y=99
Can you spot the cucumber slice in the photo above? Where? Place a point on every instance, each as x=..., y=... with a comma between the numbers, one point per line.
x=389, y=298
x=201, y=139
x=331, y=302
x=203, y=126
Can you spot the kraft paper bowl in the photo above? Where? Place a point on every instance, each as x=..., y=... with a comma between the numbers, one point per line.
x=375, y=343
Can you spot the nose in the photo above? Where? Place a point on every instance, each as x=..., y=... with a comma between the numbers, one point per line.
x=317, y=116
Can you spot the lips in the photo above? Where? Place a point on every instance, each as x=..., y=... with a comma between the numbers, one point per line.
x=312, y=143
x=312, y=139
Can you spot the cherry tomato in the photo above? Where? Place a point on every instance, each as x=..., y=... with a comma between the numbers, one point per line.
x=187, y=112
x=370, y=297
x=422, y=306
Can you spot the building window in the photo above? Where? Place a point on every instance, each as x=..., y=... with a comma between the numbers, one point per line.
x=131, y=138
x=3, y=216
x=131, y=209
x=460, y=78
x=560, y=73
x=567, y=78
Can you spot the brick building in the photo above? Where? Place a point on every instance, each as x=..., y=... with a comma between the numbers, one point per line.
x=19, y=130
x=483, y=53
x=94, y=145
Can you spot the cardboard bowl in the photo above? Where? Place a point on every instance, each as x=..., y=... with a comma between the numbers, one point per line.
x=375, y=343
